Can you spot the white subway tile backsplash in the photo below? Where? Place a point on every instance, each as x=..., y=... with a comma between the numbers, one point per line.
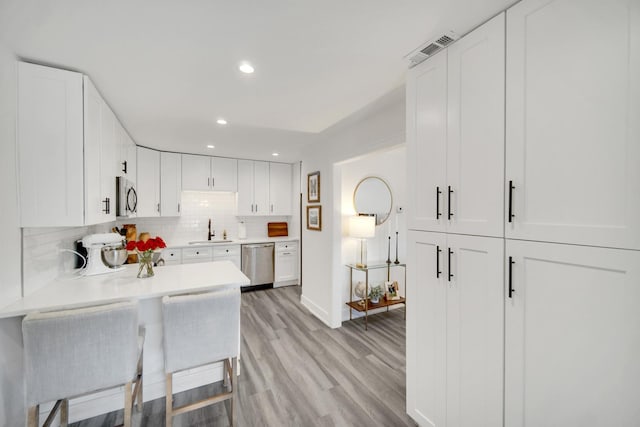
x=196, y=210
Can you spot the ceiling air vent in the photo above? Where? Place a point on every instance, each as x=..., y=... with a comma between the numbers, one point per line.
x=431, y=47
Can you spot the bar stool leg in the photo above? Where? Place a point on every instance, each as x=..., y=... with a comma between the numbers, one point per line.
x=128, y=404
x=169, y=401
x=233, y=378
x=64, y=413
x=33, y=416
x=139, y=384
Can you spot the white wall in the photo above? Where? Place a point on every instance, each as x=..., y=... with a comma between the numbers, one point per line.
x=379, y=126
x=390, y=165
x=11, y=386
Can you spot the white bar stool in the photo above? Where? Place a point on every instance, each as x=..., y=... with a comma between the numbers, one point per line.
x=198, y=330
x=75, y=352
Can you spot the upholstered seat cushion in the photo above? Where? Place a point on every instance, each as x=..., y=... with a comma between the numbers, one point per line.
x=200, y=328
x=73, y=352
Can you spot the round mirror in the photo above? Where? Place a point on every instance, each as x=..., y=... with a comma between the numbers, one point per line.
x=372, y=196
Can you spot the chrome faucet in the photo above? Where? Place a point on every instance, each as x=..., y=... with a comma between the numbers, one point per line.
x=210, y=234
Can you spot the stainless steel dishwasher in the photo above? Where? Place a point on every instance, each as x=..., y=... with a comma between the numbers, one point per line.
x=257, y=263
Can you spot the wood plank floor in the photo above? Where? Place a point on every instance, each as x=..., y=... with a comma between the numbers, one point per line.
x=295, y=371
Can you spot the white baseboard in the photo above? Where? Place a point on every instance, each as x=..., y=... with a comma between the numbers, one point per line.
x=316, y=310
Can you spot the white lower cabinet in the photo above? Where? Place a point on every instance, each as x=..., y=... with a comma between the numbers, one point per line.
x=197, y=254
x=455, y=330
x=172, y=256
x=572, y=336
x=286, y=264
x=227, y=253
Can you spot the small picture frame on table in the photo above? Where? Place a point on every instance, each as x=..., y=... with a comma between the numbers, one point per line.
x=313, y=187
x=314, y=218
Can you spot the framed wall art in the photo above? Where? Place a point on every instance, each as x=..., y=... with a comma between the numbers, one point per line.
x=314, y=218
x=313, y=187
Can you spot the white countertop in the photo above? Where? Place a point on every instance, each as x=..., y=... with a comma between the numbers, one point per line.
x=75, y=291
x=220, y=242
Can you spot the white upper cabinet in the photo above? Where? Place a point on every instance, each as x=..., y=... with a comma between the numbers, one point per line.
x=204, y=173
x=572, y=342
x=253, y=187
x=573, y=103
x=99, y=157
x=196, y=172
x=427, y=143
x=455, y=136
x=125, y=154
x=170, y=184
x=475, y=132
x=148, y=182
x=280, y=188
x=224, y=174
x=50, y=146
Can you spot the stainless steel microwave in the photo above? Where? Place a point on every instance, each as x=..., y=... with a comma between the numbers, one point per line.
x=126, y=197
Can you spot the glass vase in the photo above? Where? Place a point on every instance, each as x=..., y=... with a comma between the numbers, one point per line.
x=146, y=264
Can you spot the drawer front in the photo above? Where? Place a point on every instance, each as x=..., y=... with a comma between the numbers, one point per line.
x=286, y=246
x=226, y=251
x=173, y=256
x=197, y=254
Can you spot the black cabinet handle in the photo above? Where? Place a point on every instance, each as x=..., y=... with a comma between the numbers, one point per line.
x=208, y=182
x=511, y=262
x=124, y=166
x=438, y=192
x=107, y=207
x=438, y=272
x=449, y=214
x=511, y=188
x=213, y=182
x=449, y=265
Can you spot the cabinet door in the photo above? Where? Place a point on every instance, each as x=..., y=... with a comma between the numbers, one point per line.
x=108, y=145
x=170, y=184
x=286, y=268
x=224, y=174
x=50, y=146
x=475, y=330
x=261, y=187
x=571, y=341
x=426, y=328
x=245, y=187
x=280, y=189
x=475, y=137
x=426, y=144
x=131, y=156
x=98, y=141
x=573, y=99
x=148, y=182
x=196, y=172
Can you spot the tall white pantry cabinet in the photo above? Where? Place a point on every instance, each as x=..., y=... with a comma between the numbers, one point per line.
x=554, y=300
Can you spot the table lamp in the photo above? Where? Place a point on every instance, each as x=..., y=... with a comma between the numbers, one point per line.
x=363, y=228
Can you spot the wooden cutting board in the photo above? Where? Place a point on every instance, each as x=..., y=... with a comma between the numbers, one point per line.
x=277, y=229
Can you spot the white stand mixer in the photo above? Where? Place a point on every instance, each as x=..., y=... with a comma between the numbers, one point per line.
x=94, y=244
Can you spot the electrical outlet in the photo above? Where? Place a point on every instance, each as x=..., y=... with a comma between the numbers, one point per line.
x=399, y=209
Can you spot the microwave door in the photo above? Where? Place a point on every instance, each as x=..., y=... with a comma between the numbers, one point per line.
x=132, y=200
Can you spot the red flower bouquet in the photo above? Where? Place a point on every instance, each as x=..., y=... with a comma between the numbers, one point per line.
x=145, y=247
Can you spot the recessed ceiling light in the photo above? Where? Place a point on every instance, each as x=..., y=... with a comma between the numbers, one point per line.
x=275, y=154
x=246, y=68
x=221, y=121
x=211, y=146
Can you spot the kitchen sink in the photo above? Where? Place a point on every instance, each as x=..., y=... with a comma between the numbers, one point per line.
x=209, y=242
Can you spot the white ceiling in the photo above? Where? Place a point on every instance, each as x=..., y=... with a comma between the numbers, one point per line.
x=169, y=68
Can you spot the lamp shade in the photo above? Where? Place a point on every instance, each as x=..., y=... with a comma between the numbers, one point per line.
x=362, y=227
